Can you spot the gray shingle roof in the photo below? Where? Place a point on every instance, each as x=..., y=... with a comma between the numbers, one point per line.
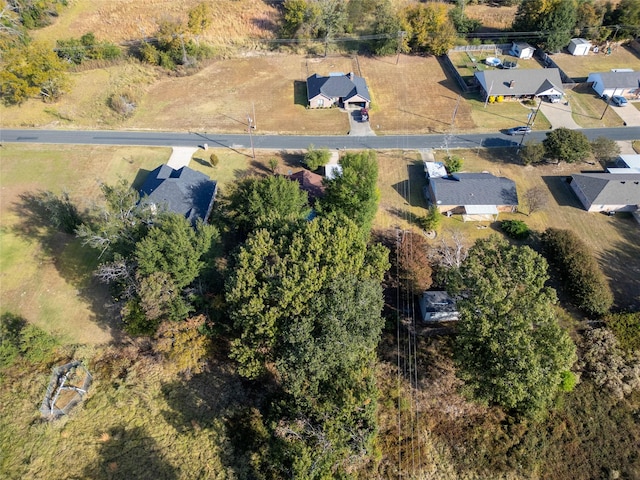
x=525, y=82
x=337, y=86
x=609, y=188
x=474, y=189
x=618, y=79
x=183, y=191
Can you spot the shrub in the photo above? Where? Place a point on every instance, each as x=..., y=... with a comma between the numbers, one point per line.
x=500, y=99
x=515, y=229
x=626, y=327
x=316, y=157
x=492, y=99
x=578, y=271
x=431, y=221
x=453, y=163
x=213, y=158
x=123, y=103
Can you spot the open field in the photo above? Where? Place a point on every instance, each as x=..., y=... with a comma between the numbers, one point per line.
x=492, y=18
x=222, y=95
x=46, y=276
x=233, y=22
x=587, y=108
x=579, y=67
x=507, y=114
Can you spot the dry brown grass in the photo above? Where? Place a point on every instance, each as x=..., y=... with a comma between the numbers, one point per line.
x=579, y=67
x=414, y=96
x=233, y=21
x=587, y=108
x=495, y=18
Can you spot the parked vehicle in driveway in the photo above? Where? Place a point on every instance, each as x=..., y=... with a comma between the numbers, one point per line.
x=519, y=130
x=553, y=98
x=619, y=101
x=364, y=114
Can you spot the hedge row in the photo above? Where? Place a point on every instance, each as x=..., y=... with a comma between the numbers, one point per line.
x=578, y=271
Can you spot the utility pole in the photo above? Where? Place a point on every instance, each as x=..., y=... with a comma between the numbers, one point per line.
x=401, y=34
x=249, y=128
x=486, y=100
x=608, y=103
x=255, y=122
x=532, y=118
x=455, y=112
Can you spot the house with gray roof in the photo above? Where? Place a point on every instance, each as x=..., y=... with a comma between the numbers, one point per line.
x=476, y=196
x=339, y=89
x=183, y=191
x=438, y=306
x=607, y=192
x=520, y=83
x=616, y=82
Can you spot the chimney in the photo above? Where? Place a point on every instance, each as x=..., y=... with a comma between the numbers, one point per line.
x=512, y=83
x=350, y=75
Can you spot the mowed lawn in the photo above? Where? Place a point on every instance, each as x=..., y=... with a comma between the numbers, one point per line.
x=579, y=67
x=614, y=240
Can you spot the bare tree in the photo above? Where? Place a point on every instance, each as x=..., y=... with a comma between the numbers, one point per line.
x=451, y=252
x=536, y=198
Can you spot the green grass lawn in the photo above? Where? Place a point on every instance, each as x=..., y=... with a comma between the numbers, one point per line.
x=587, y=109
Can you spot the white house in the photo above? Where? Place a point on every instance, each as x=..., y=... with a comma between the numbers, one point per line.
x=522, y=50
x=611, y=83
x=579, y=46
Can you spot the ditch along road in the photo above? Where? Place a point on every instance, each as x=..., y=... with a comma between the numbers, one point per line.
x=291, y=142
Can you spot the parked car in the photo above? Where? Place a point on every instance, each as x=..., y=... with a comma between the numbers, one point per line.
x=619, y=101
x=364, y=114
x=554, y=98
x=519, y=131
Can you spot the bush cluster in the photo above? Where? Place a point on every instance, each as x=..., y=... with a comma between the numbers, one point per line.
x=77, y=50
x=515, y=229
x=578, y=271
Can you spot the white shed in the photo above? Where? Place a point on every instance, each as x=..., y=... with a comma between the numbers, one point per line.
x=579, y=46
x=522, y=50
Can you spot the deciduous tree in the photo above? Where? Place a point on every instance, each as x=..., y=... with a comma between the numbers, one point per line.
x=567, y=145
x=510, y=349
x=354, y=192
x=536, y=198
x=429, y=28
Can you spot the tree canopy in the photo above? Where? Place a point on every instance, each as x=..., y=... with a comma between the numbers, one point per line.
x=567, y=145
x=510, y=349
x=354, y=192
x=429, y=28
x=268, y=202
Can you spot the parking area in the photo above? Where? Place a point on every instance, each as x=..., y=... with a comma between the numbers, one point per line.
x=629, y=114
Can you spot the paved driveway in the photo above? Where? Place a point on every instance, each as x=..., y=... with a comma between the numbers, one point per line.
x=559, y=114
x=357, y=127
x=629, y=114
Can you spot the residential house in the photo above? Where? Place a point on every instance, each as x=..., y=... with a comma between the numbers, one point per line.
x=438, y=306
x=607, y=192
x=579, y=46
x=520, y=83
x=522, y=50
x=183, y=191
x=477, y=196
x=338, y=89
x=616, y=82
x=309, y=182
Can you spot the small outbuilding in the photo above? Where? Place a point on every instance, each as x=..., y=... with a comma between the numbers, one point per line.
x=434, y=169
x=522, y=50
x=438, y=306
x=579, y=46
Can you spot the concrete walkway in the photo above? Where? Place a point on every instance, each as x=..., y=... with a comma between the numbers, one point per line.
x=181, y=156
x=559, y=115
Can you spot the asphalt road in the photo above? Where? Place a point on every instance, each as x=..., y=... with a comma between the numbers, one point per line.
x=289, y=142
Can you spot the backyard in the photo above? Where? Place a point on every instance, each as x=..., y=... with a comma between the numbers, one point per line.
x=579, y=67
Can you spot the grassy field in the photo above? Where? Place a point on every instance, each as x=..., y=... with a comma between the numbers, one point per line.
x=497, y=116
x=234, y=22
x=492, y=18
x=579, y=67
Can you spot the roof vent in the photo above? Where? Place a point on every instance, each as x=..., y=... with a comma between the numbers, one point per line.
x=512, y=83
